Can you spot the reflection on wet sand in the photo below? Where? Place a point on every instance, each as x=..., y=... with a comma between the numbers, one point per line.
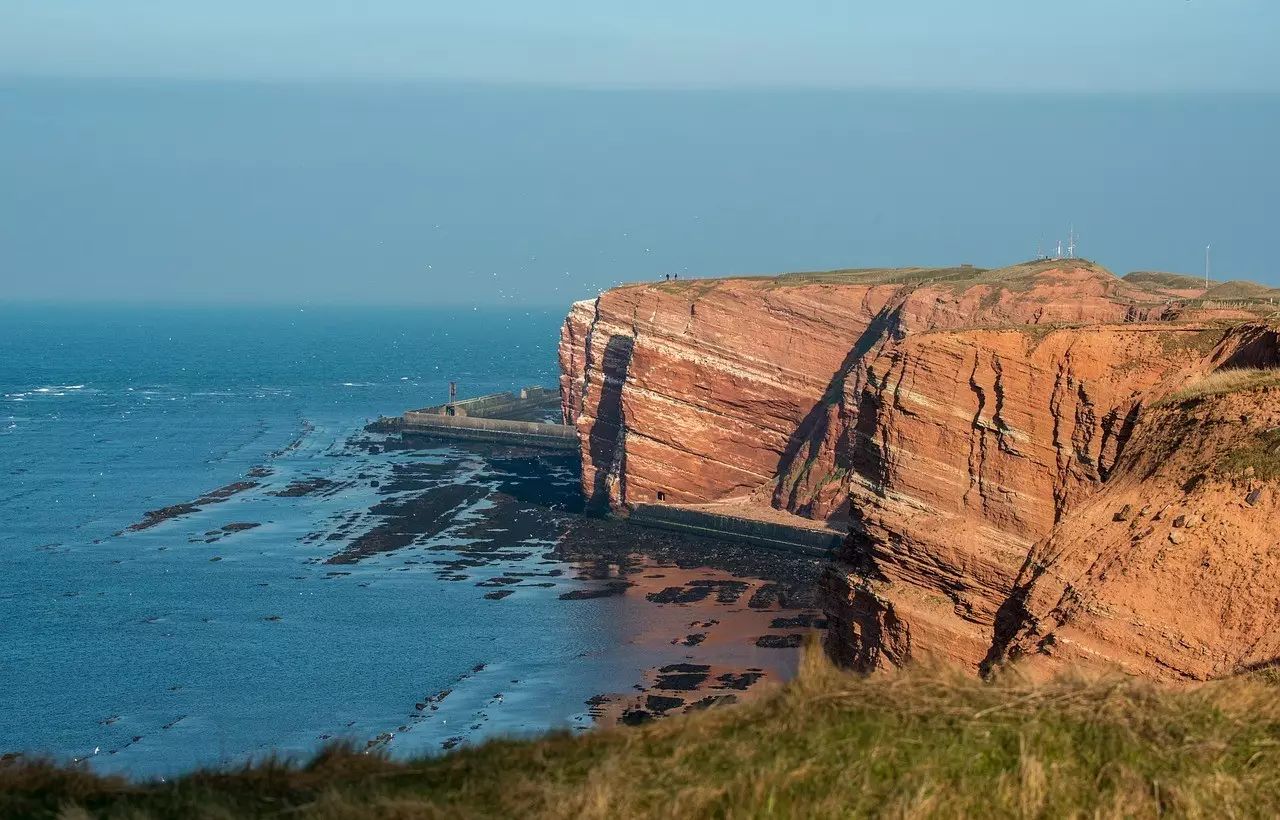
x=712, y=620
x=715, y=624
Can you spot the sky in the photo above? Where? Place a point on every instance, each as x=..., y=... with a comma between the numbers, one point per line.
x=1038, y=45
x=512, y=153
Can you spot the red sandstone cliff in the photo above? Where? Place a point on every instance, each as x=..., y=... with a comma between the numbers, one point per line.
x=969, y=426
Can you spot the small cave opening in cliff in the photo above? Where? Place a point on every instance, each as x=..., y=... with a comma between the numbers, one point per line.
x=662, y=496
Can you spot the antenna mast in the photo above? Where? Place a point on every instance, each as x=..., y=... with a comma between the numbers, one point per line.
x=1071, y=242
x=1206, y=265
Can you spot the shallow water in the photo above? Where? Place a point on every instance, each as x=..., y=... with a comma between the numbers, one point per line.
x=414, y=595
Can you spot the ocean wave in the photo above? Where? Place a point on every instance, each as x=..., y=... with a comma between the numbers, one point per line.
x=49, y=391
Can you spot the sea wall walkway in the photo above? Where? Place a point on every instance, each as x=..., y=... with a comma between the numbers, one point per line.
x=518, y=417
x=738, y=524
x=503, y=431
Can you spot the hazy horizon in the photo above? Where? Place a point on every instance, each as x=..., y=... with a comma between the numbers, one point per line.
x=457, y=194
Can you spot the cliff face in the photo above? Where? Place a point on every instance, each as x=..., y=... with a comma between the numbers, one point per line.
x=967, y=449
x=705, y=390
x=963, y=423
x=695, y=391
x=1172, y=570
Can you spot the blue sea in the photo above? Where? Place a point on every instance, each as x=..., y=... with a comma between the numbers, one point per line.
x=251, y=623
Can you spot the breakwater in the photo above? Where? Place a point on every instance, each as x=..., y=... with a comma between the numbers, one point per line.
x=536, y=404
x=516, y=417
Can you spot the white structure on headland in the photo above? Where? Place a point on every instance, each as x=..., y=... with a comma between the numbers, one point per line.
x=1072, y=236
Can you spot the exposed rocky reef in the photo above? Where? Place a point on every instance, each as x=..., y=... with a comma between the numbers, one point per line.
x=1009, y=450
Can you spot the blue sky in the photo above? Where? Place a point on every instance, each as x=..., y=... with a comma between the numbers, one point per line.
x=1028, y=45
x=562, y=147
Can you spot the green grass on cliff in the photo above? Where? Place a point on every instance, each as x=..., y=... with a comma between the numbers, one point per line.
x=1258, y=457
x=906, y=745
x=1017, y=277
x=1013, y=277
x=881, y=276
x=1160, y=279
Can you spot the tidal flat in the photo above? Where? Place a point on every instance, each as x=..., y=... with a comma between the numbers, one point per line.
x=407, y=596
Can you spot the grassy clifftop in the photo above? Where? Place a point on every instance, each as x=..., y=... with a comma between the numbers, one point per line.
x=914, y=744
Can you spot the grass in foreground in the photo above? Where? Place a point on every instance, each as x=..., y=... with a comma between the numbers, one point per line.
x=918, y=743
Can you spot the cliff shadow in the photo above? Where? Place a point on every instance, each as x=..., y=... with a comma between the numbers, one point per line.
x=806, y=441
x=1010, y=619
x=605, y=447
x=1260, y=350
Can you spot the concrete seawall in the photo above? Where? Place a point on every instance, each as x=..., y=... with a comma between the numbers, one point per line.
x=519, y=417
x=470, y=428
x=528, y=404
x=815, y=542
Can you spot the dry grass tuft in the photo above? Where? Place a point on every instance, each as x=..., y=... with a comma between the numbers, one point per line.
x=1230, y=380
x=925, y=742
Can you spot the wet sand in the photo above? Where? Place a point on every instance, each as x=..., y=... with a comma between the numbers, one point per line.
x=727, y=619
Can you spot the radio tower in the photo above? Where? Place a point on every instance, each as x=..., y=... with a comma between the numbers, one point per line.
x=1071, y=242
x=1206, y=266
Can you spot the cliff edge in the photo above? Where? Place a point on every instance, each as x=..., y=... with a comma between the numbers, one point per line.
x=972, y=430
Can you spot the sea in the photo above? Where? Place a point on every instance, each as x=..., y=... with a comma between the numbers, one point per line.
x=206, y=559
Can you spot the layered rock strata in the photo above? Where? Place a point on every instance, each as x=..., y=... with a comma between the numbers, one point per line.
x=961, y=423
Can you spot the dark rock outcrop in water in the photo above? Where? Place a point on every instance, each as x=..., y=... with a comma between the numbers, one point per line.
x=153, y=517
